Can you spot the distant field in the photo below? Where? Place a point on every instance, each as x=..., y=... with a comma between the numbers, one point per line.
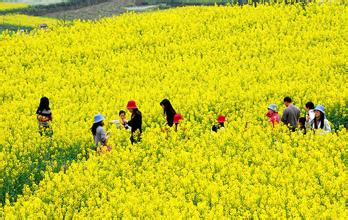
x=26, y=20
x=4, y=6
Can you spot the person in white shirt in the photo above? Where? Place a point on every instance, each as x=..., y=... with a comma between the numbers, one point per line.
x=320, y=121
x=310, y=114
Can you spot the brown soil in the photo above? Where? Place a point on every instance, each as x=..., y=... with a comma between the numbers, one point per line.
x=106, y=9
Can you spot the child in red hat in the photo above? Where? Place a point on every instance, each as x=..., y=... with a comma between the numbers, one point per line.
x=221, y=124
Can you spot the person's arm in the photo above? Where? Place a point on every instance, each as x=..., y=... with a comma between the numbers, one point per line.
x=285, y=117
x=327, y=126
x=103, y=136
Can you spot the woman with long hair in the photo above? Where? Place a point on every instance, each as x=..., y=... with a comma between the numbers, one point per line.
x=98, y=132
x=44, y=117
x=320, y=121
x=169, y=111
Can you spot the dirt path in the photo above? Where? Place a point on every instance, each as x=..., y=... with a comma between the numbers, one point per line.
x=106, y=9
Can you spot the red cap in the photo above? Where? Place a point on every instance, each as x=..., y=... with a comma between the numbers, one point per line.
x=131, y=104
x=177, y=118
x=221, y=119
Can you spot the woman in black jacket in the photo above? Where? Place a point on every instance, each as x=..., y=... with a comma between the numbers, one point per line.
x=135, y=124
x=169, y=111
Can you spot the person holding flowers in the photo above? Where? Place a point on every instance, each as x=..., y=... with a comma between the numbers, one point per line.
x=120, y=122
x=44, y=117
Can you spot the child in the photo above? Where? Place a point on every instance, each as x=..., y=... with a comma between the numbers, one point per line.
x=44, y=117
x=99, y=133
x=221, y=124
x=177, y=118
x=135, y=124
x=120, y=122
x=272, y=114
x=169, y=111
x=302, y=124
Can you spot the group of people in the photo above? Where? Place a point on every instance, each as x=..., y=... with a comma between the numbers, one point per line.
x=291, y=117
x=314, y=119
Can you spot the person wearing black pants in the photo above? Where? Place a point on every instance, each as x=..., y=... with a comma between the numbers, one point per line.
x=135, y=124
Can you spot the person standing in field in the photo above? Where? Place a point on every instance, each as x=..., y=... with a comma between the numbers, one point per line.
x=291, y=114
x=135, y=124
x=272, y=114
x=44, y=117
x=99, y=133
x=302, y=125
x=320, y=121
x=120, y=122
x=168, y=111
x=310, y=114
x=220, y=124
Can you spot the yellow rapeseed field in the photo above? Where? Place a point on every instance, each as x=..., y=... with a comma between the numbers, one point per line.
x=207, y=61
x=4, y=6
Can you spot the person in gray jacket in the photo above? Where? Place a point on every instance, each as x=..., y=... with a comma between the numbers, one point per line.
x=291, y=114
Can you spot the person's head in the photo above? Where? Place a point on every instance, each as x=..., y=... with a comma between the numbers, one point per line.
x=272, y=108
x=122, y=114
x=98, y=121
x=302, y=121
x=287, y=101
x=309, y=106
x=132, y=106
x=167, y=106
x=319, y=111
x=44, y=103
x=319, y=116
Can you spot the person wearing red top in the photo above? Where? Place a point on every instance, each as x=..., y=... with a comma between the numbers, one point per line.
x=272, y=114
x=177, y=118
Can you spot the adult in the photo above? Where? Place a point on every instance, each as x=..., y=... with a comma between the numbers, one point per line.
x=169, y=111
x=98, y=131
x=291, y=114
x=44, y=117
x=135, y=124
x=320, y=121
x=310, y=114
x=272, y=114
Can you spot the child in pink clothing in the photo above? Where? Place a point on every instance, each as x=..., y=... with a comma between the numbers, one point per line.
x=272, y=114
